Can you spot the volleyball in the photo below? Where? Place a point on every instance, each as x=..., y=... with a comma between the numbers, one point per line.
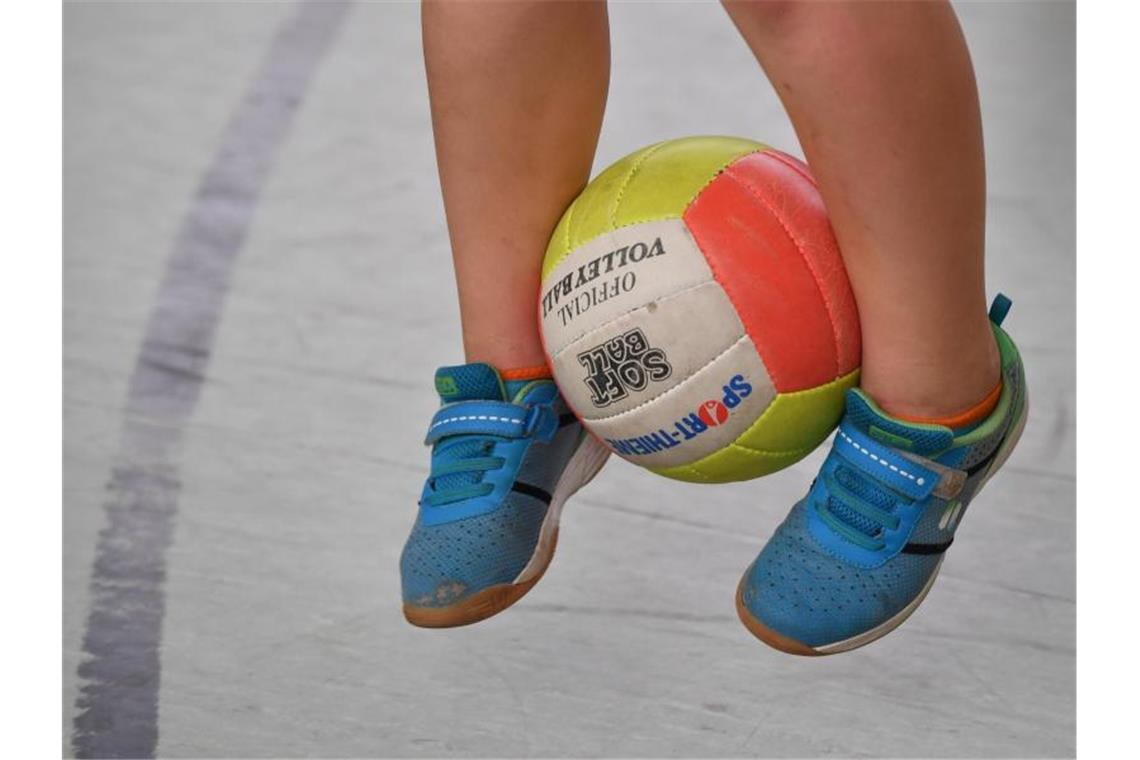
x=695, y=311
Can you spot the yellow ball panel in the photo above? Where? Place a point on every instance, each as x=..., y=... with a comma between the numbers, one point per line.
x=656, y=182
x=775, y=440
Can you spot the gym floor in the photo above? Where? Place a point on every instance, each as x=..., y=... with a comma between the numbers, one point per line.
x=257, y=291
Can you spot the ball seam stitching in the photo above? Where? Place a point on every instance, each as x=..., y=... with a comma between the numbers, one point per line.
x=673, y=388
x=716, y=174
x=686, y=288
x=786, y=161
x=827, y=306
x=633, y=170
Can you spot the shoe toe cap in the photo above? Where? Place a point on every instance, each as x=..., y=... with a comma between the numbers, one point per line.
x=801, y=592
x=443, y=564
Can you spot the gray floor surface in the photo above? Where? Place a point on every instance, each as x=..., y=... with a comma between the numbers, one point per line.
x=300, y=466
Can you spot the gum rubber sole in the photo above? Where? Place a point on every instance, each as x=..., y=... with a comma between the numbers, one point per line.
x=480, y=606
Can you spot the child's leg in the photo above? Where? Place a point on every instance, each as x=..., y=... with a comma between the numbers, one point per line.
x=517, y=95
x=883, y=99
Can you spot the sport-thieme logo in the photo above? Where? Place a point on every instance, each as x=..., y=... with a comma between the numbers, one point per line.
x=706, y=416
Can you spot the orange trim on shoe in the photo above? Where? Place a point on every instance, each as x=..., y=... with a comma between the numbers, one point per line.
x=971, y=416
x=537, y=372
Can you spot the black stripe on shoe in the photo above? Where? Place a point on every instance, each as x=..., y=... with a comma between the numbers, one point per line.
x=972, y=471
x=532, y=491
x=926, y=548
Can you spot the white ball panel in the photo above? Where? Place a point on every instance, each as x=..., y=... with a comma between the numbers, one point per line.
x=673, y=428
x=644, y=352
x=616, y=273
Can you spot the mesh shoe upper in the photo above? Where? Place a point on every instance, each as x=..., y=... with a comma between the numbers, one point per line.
x=443, y=563
x=799, y=589
x=459, y=546
x=866, y=540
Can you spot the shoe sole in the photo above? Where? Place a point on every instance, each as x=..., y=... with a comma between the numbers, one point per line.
x=580, y=470
x=792, y=646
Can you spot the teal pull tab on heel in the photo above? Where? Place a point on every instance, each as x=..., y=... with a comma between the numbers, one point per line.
x=999, y=308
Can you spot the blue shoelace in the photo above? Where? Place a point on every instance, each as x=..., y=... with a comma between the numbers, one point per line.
x=476, y=466
x=842, y=502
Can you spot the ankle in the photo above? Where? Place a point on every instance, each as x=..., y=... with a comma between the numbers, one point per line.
x=537, y=372
x=964, y=420
x=932, y=389
x=524, y=355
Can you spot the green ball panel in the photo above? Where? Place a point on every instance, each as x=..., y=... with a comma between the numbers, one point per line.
x=792, y=426
x=656, y=182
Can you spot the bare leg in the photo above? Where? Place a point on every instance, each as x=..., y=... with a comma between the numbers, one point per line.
x=517, y=95
x=883, y=99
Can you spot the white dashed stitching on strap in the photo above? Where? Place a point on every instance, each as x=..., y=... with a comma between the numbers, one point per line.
x=486, y=417
x=883, y=462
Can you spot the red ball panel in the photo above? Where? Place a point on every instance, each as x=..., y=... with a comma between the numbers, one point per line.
x=762, y=226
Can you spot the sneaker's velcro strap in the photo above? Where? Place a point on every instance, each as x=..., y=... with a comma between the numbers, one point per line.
x=542, y=421
x=884, y=464
x=479, y=418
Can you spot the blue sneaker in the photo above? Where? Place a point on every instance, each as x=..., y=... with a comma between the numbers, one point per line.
x=505, y=457
x=859, y=553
